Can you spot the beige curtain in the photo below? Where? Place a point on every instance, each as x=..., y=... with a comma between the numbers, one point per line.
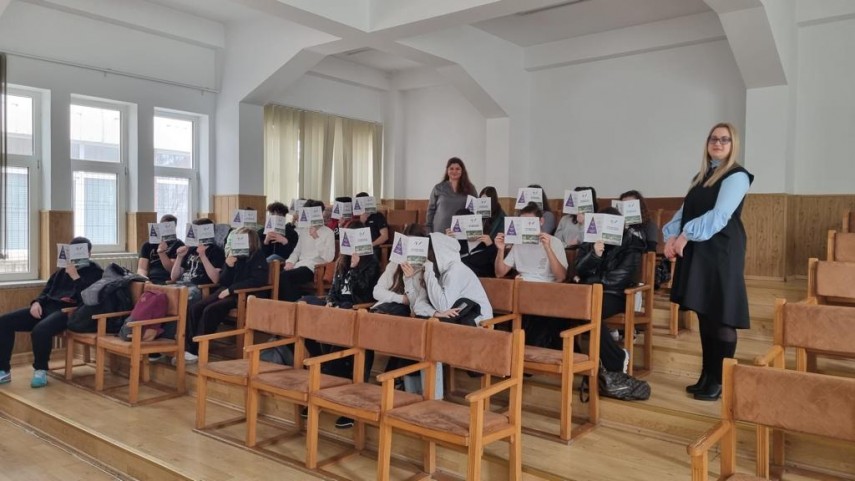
x=281, y=153
x=377, y=159
x=317, y=139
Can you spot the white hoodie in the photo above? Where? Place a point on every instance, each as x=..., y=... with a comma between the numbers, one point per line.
x=456, y=279
x=413, y=288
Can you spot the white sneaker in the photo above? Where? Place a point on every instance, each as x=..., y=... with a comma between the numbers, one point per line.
x=625, y=361
x=189, y=358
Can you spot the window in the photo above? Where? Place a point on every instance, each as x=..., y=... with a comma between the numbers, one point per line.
x=21, y=260
x=98, y=159
x=175, y=165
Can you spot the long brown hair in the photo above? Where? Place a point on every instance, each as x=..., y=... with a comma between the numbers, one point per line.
x=416, y=230
x=465, y=186
x=645, y=213
x=546, y=207
x=726, y=164
x=495, y=206
x=343, y=264
x=253, y=239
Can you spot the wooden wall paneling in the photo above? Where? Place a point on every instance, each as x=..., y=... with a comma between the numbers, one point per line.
x=419, y=205
x=508, y=204
x=765, y=220
x=225, y=205
x=54, y=227
x=848, y=222
x=138, y=229
x=815, y=215
x=394, y=204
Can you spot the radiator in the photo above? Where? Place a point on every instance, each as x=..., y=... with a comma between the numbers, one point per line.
x=128, y=260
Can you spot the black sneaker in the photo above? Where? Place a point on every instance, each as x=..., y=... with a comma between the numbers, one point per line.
x=343, y=422
x=304, y=412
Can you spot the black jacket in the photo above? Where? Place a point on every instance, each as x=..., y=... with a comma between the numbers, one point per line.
x=62, y=290
x=247, y=273
x=617, y=269
x=282, y=250
x=360, y=280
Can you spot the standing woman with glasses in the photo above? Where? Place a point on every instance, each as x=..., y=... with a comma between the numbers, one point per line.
x=707, y=238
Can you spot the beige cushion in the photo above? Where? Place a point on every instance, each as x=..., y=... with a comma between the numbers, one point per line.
x=365, y=396
x=240, y=367
x=296, y=380
x=550, y=356
x=445, y=416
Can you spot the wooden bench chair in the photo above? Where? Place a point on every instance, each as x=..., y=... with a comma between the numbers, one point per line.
x=848, y=223
x=807, y=327
x=402, y=337
x=238, y=314
x=579, y=302
x=471, y=426
x=138, y=350
x=322, y=324
x=87, y=339
x=773, y=399
x=841, y=246
x=264, y=317
x=631, y=320
x=831, y=283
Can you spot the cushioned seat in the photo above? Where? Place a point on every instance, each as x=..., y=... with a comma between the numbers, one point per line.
x=446, y=417
x=543, y=355
x=365, y=396
x=240, y=367
x=296, y=380
x=117, y=342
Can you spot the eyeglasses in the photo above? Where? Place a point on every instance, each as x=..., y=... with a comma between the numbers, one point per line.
x=719, y=140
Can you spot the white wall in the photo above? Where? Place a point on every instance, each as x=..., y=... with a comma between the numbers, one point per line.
x=439, y=123
x=634, y=122
x=320, y=94
x=824, y=161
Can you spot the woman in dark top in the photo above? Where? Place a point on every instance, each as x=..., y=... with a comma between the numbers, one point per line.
x=708, y=239
x=616, y=268
x=496, y=222
x=378, y=225
x=650, y=229
x=277, y=246
x=44, y=317
x=478, y=255
x=237, y=273
x=549, y=222
x=448, y=196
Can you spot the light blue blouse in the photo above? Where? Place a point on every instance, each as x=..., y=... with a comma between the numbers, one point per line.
x=733, y=190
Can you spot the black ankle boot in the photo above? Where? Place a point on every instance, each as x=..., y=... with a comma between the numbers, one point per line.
x=711, y=393
x=700, y=385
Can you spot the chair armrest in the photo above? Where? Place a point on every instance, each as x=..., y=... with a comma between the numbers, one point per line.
x=317, y=360
x=111, y=314
x=271, y=344
x=388, y=376
x=488, y=391
x=219, y=335
x=634, y=290
x=709, y=438
x=252, y=290
x=149, y=322
x=575, y=331
x=490, y=323
x=774, y=353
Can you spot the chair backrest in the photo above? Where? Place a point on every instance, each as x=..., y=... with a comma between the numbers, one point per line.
x=394, y=335
x=841, y=246
x=648, y=268
x=328, y=325
x=500, y=293
x=790, y=400
x=848, y=221
x=271, y=316
x=815, y=327
x=136, y=289
x=418, y=205
x=831, y=281
x=173, y=296
x=482, y=350
x=400, y=218
x=566, y=301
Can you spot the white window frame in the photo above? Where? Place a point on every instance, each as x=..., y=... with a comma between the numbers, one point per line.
x=192, y=174
x=33, y=163
x=120, y=169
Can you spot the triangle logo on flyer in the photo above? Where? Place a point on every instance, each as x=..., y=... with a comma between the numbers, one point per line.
x=62, y=253
x=190, y=233
x=471, y=205
x=153, y=232
x=399, y=248
x=237, y=218
x=356, y=205
x=269, y=223
x=592, y=227
x=569, y=202
x=511, y=229
x=521, y=200
x=344, y=240
x=456, y=227
x=335, y=209
x=303, y=217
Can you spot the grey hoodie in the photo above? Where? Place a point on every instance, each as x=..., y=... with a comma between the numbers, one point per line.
x=456, y=279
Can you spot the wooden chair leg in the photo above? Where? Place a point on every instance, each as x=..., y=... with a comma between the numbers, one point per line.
x=312, y=437
x=476, y=450
x=629, y=346
x=146, y=369
x=201, y=400
x=565, y=421
x=674, y=321
x=298, y=420
x=134, y=392
x=251, y=416
x=429, y=461
x=594, y=401
x=69, y=358
x=515, y=457
x=384, y=452
x=648, y=346
x=87, y=354
x=359, y=436
x=99, y=369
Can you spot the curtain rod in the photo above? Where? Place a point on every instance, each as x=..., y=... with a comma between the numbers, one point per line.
x=273, y=104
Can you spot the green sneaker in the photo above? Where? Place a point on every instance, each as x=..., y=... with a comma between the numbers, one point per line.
x=5, y=377
x=39, y=379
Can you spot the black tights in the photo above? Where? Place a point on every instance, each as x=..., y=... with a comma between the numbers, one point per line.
x=718, y=342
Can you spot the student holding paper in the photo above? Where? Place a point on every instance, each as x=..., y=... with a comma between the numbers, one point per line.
x=543, y=262
x=198, y=265
x=569, y=229
x=707, y=238
x=156, y=260
x=477, y=254
x=454, y=291
x=647, y=226
x=316, y=245
x=616, y=268
x=379, y=228
x=44, y=318
x=401, y=295
x=448, y=196
x=496, y=222
x=238, y=273
x=276, y=245
x=548, y=217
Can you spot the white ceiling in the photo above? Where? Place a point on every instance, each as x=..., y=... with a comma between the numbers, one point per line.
x=586, y=17
x=379, y=60
x=222, y=11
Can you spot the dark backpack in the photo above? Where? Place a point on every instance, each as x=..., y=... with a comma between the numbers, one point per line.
x=113, y=295
x=663, y=273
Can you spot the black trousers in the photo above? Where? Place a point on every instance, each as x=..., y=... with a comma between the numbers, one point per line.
x=205, y=316
x=41, y=331
x=290, y=283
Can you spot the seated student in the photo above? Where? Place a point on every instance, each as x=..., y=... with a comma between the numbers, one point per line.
x=496, y=222
x=453, y=289
x=548, y=217
x=398, y=294
x=569, y=229
x=44, y=318
x=156, y=260
x=335, y=224
x=379, y=228
x=277, y=246
x=315, y=246
x=238, y=273
x=616, y=268
x=647, y=226
x=477, y=255
x=544, y=262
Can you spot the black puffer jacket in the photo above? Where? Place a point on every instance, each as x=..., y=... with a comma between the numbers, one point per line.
x=617, y=269
x=360, y=281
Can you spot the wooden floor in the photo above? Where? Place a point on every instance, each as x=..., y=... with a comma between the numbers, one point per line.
x=635, y=441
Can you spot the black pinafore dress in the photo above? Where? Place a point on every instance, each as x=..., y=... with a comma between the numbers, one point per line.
x=709, y=279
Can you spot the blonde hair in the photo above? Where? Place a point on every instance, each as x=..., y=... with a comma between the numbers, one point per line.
x=726, y=164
